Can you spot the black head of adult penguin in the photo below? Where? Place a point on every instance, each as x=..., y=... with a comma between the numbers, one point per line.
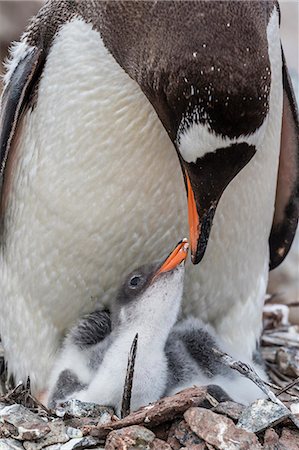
x=207, y=75
x=206, y=72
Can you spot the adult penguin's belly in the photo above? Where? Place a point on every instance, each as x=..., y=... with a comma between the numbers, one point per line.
x=96, y=187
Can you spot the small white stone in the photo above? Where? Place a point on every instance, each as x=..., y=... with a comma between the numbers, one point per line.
x=60, y=412
x=294, y=408
x=74, y=432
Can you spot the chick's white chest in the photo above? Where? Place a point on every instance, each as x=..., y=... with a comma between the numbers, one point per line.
x=150, y=373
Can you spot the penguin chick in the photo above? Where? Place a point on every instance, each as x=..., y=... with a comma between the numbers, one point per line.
x=92, y=364
x=148, y=303
x=191, y=361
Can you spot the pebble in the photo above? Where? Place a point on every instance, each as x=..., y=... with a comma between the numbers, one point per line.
x=57, y=435
x=10, y=444
x=158, y=444
x=230, y=409
x=80, y=443
x=133, y=437
x=76, y=408
x=220, y=431
x=29, y=426
x=185, y=435
x=74, y=432
x=262, y=414
x=289, y=439
x=271, y=439
x=288, y=361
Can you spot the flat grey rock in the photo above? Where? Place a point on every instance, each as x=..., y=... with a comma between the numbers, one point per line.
x=80, y=443
x=10, y=444
x=230, y=409
x=74, y=432
x=132, y=437
x=53, y=447
x=57, y=435
x=262, y=414
x=79, y=409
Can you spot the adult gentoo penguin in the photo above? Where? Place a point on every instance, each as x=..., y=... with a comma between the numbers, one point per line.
x=93, y=362
x=98, y=98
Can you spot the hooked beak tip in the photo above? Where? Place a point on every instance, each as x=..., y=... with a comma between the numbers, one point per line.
x=177, y=257
x=195, y=258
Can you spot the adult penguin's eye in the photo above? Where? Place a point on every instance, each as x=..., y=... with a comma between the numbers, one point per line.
x=135, y=281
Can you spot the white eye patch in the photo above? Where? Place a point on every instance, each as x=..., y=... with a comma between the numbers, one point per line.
x=196, y=140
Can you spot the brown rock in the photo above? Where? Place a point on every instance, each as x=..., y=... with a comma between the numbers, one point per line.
x=220, y=431
x=230, y=409
x=57, y=435
x=158, y=444
x=288, y=361
x=289, y=439
x=271, y=439
x=7, y=430
x=133, y=437
x=28, y=426
x=165, y=410
x=162, y=431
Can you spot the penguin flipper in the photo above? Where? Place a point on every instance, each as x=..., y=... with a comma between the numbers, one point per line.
x=91, y=329
x=287, y=192
x=16, y=98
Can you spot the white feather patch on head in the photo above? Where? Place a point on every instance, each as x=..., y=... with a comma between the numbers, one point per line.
x=198, y=139
x=17, y=51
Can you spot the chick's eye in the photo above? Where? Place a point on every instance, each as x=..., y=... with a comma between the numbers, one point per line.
x=135, y=281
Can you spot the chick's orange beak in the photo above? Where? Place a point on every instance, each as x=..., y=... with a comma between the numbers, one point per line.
x=176, y=257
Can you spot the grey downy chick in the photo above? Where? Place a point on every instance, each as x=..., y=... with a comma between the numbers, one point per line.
x=170, y=357
x=147, y=303
x=191, y=361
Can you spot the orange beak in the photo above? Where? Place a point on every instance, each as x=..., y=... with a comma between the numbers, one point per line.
x=175, y=258
x=205, y=181
x=193, y=219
